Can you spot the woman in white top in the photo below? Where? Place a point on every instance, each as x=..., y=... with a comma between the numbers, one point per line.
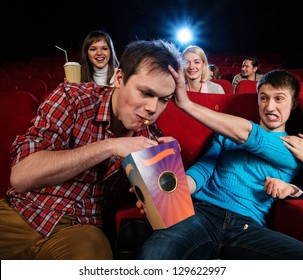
x=197, y=72
x=98, y=59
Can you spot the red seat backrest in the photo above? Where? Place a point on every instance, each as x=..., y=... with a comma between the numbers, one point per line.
x=17, y=110
x=4, y=74
x=58, y=76
x=246, y=86
x=227, y=76
x=42, y=75
x=225, y=84
x=297, y=76
x=36, y=87
x=6, y=85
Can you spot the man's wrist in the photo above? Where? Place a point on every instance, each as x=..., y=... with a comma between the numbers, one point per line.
x=298, y=192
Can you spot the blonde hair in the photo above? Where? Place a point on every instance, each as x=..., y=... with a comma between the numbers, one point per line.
x=197, y=50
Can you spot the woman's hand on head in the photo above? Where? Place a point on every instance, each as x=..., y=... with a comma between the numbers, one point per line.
x=180, y=96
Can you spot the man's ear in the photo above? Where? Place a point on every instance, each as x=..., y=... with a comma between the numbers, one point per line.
x=295, y=103
x=118, y=81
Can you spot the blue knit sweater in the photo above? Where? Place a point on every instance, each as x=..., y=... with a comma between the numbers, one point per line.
x=232, y=176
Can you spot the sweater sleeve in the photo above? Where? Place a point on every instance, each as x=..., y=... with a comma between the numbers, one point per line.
x=269, y=146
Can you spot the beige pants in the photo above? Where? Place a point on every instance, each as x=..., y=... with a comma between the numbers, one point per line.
x=18, y=240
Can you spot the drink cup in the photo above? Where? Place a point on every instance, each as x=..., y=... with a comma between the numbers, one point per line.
x=72, y=72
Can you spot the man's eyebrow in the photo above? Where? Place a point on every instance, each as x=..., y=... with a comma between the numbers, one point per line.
x=147, y=89
x=168, y=96
x=276, y=93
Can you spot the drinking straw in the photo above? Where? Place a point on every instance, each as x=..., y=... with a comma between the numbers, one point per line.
x=63, y=51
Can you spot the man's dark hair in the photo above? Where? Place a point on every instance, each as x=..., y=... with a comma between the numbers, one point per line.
x=157, y=54
x=280, y=78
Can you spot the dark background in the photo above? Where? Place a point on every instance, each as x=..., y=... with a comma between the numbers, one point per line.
x=30, y=28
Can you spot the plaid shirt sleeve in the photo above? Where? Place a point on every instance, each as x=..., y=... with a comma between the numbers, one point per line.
x=50, y=128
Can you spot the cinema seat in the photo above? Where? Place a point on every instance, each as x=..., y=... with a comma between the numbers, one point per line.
x=228, y=89
x=246, y=86
x=17, y=109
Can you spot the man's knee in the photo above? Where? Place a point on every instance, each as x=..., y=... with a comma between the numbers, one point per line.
x=84, y=242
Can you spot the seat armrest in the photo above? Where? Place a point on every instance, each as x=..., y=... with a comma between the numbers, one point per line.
x=288, y=217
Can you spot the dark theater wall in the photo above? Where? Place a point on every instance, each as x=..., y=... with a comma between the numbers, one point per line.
x=34, y=27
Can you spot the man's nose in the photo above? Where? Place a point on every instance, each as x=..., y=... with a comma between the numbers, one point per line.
x=151, y=105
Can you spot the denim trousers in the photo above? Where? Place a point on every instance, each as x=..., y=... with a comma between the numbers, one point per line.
x=216, y=233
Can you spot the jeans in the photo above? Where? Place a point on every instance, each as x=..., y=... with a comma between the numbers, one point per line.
x=216, y=233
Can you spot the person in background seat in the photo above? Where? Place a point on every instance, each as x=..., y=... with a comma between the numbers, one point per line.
x=98, y=59
x=197, y=73
x=214, y=72
x=250, y=71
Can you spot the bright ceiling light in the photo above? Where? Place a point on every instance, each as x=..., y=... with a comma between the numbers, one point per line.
x=184, y=35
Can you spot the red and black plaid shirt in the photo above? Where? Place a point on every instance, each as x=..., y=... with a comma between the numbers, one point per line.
x=71, y=117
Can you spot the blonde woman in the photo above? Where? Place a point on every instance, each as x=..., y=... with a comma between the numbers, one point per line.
x=197, y=73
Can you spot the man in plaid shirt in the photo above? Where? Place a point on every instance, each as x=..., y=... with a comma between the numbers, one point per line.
x=67, y=166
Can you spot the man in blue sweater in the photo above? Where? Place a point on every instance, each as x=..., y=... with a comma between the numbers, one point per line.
x=227, y=182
